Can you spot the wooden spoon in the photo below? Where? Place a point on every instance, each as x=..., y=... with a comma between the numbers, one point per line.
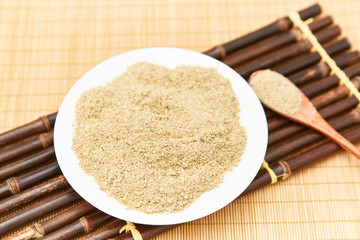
x=306, y=113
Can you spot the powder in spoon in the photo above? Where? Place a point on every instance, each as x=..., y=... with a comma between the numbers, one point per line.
x=156, y=139
x=276, y=91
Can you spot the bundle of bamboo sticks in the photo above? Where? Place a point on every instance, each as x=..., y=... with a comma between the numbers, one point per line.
x=277, y=46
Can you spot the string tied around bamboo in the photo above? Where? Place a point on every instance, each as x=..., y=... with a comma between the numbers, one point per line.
x=132, y=228
x=272, y=174
x=308, y=21
x=317, y=47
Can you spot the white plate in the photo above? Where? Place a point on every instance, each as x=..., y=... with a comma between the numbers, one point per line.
x=252, y=117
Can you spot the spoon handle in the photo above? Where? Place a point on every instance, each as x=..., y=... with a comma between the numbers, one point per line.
x=322, y=126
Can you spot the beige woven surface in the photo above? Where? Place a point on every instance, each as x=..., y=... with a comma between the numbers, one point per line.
x=45, y=46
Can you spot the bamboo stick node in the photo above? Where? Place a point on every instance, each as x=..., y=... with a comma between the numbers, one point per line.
x=46, y=123
x=27, y=234
x=105, y=232
x=46, y=139
x=13, y=185
x=85, y=224
x=286, y=170
x=39, y=231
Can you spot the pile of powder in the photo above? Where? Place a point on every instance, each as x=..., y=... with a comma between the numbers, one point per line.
x=156, y=139
x=276, y=91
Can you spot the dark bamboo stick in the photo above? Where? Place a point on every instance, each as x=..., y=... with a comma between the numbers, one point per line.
x=44, y=140
x=263, y=47
x=335, y=94
x=41, y=229
x=105, y=232
x=322, y=69
x=147, y=232
x=278, y=26
x=39, y=209
x=43, y=124
x=17, y=184
x=272, y=43
x=316, y=88
x=329, y=82
x=299, y=161
x=14, y=168
x=309, y=157
x=84, y=225
x=311, y=58
x=329, y=111
x=290, y=51
x=32, y=193
x=339, y=107
x=311, y=136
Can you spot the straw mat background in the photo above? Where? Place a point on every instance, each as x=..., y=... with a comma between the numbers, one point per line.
x=45, y=46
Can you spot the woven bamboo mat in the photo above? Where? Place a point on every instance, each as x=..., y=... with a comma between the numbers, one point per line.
x=46, y=46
